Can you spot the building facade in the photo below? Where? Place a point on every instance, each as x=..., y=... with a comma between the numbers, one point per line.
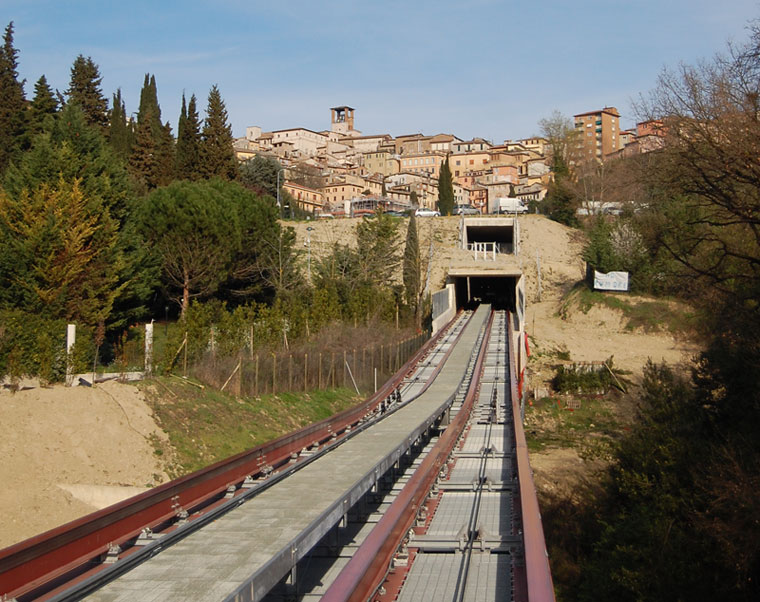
x=597, y=134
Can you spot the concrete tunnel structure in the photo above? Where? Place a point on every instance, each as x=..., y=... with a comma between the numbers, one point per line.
x=486, y=268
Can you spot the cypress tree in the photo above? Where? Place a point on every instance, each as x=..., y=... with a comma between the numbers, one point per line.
x=445, y=190
x=142, y=158
x=411, y=266
x=43, y=104
x=217, y=154
x=151, y=158
x=12, y=101
x=84, y=90
x=119, y=131
x=188, y=141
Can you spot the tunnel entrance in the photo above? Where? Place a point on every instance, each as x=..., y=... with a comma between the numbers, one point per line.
x=500, y=291
x=495, y=234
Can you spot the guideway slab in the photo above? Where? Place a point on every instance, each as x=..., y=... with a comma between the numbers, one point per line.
x=245, y=552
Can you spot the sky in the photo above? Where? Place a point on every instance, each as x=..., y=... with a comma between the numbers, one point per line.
x=487, y=68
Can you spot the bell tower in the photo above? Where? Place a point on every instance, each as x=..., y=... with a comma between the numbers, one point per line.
x=342, y=120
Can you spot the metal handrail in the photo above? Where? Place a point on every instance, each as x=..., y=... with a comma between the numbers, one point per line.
x=366, y=570
x=538, y=573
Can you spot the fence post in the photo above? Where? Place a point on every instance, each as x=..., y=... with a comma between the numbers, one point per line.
x=256, y=377
x=274, y=373
x=382, y=367
x=71, y=337
x=319, y=374
x=239, y=384
x=184, y=361
x=344, y=368
x=148, y=350
x=306, y=372
x=332, y=368
x=290, y=372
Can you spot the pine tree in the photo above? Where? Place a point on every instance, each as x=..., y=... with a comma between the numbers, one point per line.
x=12, y=101
x=119, y=131
x=43, y=104
x=445, y=190
x=188, y=141
x=84, y=90
x=217, y=153
x=411, y=267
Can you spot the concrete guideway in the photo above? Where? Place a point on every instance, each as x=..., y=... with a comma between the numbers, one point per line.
x=244, y=553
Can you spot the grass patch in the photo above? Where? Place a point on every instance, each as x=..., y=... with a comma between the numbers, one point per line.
x=649, y=315
x=589, y=428
x=205, y=425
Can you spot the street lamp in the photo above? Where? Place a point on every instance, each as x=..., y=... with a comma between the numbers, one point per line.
x=279, y=206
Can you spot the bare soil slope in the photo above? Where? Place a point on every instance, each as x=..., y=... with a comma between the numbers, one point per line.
x=67, y=452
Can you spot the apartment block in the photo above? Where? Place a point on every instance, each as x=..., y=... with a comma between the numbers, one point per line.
x=597, y=134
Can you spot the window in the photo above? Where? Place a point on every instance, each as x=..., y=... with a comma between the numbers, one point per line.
x=458, y=161
x=472, y=161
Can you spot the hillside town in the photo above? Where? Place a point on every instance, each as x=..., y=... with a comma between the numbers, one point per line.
x=343, y=172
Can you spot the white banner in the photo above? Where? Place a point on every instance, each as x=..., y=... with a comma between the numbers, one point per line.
x=613, y=281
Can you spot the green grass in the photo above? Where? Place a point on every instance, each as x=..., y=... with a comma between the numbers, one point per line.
x=589, y=429
x=205, y=425
x=650, y=315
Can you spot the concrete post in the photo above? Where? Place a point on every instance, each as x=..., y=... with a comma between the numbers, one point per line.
x=71, y=337
x=149, y=349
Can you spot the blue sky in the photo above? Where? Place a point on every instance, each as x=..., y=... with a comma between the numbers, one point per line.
x=489, y=68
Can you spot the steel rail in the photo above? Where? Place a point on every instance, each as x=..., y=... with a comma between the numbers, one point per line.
x=464, y=568
x=30, y=566
x=281, y=562
x=538, y=574
x=366, y=570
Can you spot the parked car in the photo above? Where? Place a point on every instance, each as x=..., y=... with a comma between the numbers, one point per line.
x=425, y=212
x=465, y=210
x=395, y=213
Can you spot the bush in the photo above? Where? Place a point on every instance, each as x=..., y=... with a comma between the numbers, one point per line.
x=31, y=345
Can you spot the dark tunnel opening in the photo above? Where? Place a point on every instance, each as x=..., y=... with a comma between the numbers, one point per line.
x=499, y=291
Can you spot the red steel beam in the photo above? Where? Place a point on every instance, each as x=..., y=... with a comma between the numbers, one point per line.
x=366, y=570
x=538, y=574
x=30, y=564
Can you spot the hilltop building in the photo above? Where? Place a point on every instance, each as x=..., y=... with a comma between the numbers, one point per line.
x=597, y=134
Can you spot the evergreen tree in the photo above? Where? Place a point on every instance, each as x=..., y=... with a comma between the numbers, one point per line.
x=63, y=252
x=12, y=100
x=84, y=90
x=142, y=158
x=43, y=104
x=260, y=175
x=412, y=266
x=217, y=153
x=119, y=131
x=445, y=190
x=188, y=141
x=152, y=155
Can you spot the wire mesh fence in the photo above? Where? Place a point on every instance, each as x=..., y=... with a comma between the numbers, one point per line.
x=363, y=368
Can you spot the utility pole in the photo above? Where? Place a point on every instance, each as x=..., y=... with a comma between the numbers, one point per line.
x=308, y=250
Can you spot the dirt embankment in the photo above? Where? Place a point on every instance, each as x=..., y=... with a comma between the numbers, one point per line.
x=67, y=452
